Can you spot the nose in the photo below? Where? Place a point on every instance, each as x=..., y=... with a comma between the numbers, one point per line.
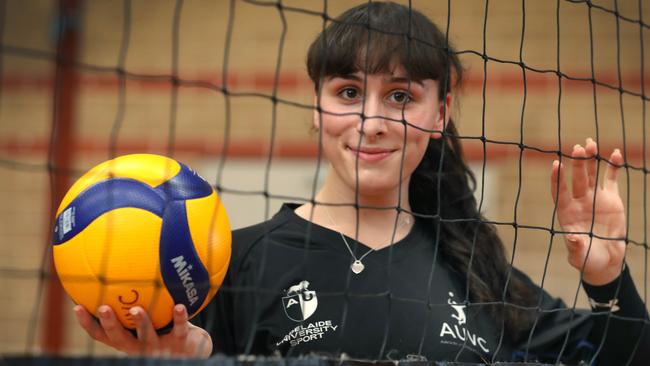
x=373, y=120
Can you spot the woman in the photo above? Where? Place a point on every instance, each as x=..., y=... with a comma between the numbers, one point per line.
x=392, y=260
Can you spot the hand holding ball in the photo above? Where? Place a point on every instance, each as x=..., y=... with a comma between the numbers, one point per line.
x=142, y=230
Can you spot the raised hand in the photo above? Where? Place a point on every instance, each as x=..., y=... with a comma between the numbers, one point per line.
x=184, y=340
x=600, y=260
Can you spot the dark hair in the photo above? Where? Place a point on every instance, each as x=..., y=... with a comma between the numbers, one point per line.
x=375, y=37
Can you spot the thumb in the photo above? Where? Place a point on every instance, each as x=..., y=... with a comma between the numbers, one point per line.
x=577, y=246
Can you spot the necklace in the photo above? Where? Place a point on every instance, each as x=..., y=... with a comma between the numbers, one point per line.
x=357, y=265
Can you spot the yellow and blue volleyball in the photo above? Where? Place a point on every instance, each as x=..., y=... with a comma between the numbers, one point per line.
x=141, y=230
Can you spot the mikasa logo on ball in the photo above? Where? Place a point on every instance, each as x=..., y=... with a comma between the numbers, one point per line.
x=183, y=271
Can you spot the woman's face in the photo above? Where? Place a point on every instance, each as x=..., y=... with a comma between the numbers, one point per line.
x=379, y=144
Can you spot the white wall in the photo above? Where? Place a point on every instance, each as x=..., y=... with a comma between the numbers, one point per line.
x=290, y=180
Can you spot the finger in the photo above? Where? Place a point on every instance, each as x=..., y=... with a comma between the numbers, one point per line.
x=577, y=247
x=181, y=321
x=591, y=149
x=181, y=329
x=573, y=242
x=117, y=335
x=89, y=324
x=580, y=181
x=611, y=176
x=144, y=329
x=558, y=172
x=202, y=342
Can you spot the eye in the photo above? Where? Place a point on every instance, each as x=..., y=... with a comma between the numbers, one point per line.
x=400, y=97
x=349, y=93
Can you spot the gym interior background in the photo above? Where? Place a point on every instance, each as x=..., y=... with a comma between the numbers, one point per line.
x=120, y=96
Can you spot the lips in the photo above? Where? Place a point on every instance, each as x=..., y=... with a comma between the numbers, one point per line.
x=371, y=154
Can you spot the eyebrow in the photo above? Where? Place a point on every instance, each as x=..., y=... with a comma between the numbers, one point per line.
x=349, y=77
x=393, y=79
x=401, y=79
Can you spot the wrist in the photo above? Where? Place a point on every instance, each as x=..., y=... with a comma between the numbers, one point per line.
x=603, y=278
x=611, y=305
x=605, y=297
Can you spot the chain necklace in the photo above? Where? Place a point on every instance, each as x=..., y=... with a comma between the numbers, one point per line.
x=357, y=265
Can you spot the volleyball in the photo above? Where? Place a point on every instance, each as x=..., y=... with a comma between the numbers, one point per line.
x=141, y=230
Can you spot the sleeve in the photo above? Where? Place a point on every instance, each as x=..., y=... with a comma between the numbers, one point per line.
x=228, y=317
x=620, y=329
x=616, y=336
x=218, y=316
x=216, y=319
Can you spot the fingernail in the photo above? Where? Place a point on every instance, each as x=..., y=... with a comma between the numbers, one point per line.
x=179, y=309
x=103, y=311
x=76, y=309
x=617, y=151
x=135, y=312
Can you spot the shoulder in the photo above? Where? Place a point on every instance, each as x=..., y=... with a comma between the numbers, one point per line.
x=523, y=277
x=247, y=239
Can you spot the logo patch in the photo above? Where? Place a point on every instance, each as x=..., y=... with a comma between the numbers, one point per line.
x=460, y=310
x=457, y=333
x=300, y=303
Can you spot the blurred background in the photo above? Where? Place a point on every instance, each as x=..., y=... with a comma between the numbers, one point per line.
x=83, y=81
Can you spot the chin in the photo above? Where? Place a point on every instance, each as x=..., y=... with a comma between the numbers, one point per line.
x=373, y=187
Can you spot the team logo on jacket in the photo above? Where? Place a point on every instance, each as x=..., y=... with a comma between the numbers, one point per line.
x=300, y=303
x=456, y=332
x=459, y=309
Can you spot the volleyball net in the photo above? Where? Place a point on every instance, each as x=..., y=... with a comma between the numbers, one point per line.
x=222, y=87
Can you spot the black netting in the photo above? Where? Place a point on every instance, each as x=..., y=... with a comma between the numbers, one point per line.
x=56, y=159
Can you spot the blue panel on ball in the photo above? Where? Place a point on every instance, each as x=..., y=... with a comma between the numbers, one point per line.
x=182, y=271
x=187, y=184
x=100, y=198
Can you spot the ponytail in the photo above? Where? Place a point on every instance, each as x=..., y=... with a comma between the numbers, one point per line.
x=441, y=189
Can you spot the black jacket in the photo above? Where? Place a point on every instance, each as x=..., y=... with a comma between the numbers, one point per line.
x=290, y=290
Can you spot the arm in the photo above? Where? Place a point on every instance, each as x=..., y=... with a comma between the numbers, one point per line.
x=621, y=331
x=564, y=334
x=593, y=220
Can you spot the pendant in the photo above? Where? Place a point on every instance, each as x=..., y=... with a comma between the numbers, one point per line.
x=357, y=267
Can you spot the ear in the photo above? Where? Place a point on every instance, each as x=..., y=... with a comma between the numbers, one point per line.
x=442, y=117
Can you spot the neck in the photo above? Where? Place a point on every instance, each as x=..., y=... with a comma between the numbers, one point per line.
x=335, y=191
x=378, y=222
